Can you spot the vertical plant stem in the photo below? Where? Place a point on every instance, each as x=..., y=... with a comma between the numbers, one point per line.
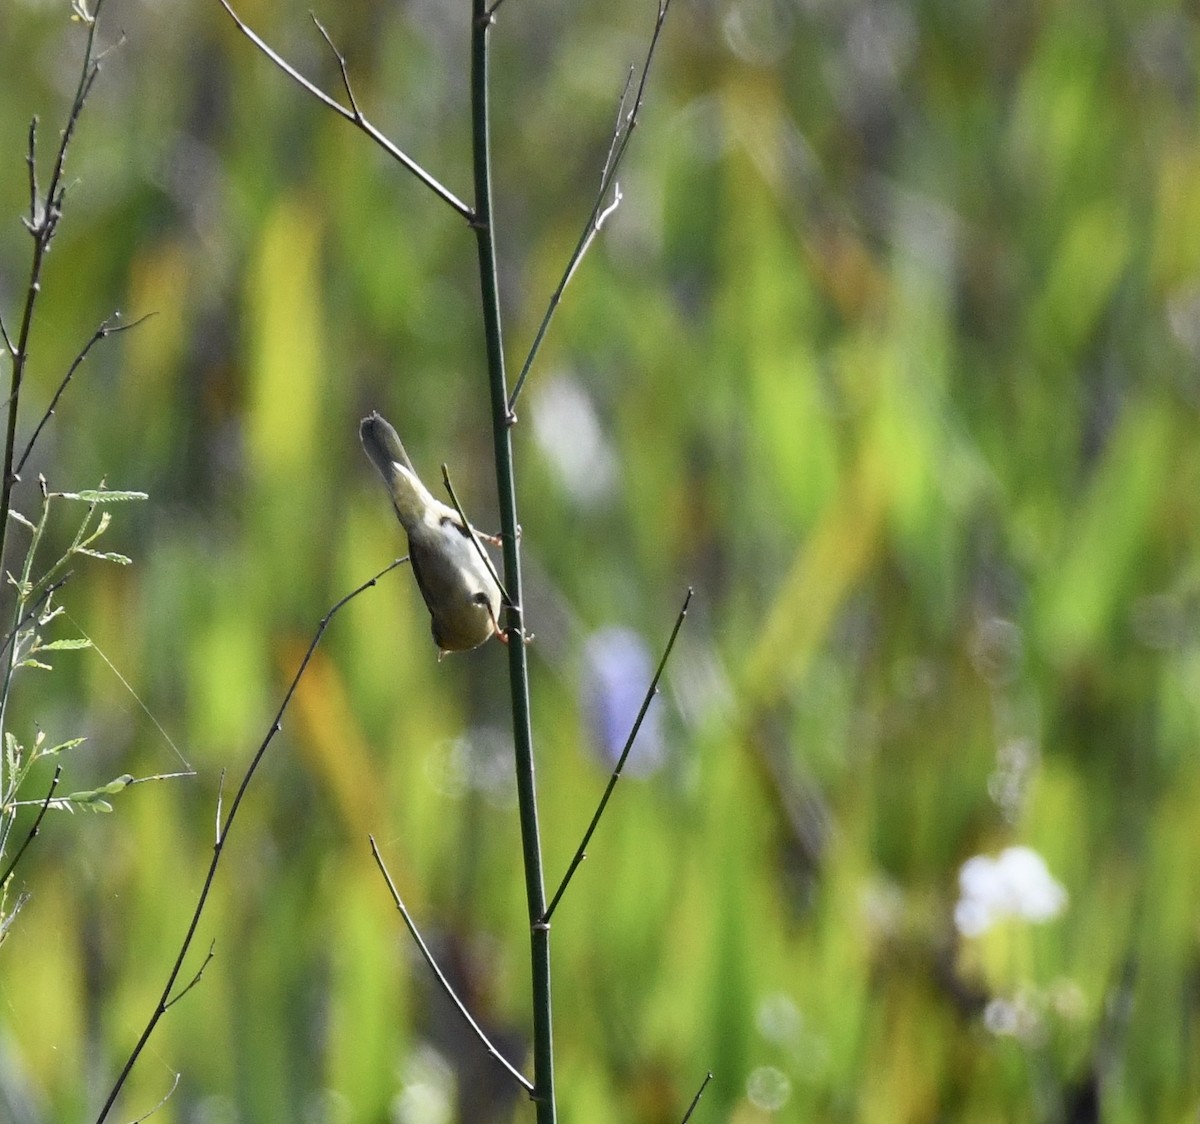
x=44, y=214
x=543, y=1045
x=13, y=657
x=42, y=224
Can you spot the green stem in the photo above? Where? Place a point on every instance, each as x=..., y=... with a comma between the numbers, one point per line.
x=543, y=1044
x=24, y=588
x=42, y=224
x=44, y=214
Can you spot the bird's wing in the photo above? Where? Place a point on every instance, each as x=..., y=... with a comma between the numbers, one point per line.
x=422, y=581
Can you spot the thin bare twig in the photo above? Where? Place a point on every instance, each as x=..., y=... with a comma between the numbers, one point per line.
x=600, y=218
x=409, y=924
x=595, y=229
x=487, y=560
x=170, y=1093
x=626, y=123
x=220, y=801
x=196, y=978
x=165, y=1000
x=696, y=1099
x=42, y=223
x=652, y=690
x=163, y=777
x=354, y=115
x=107, y=328
x=341, y=61
x=35, y=608
x=37, y=823
x=7, y=919
x=31, y=167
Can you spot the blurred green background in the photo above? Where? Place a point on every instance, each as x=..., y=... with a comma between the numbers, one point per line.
x=892, y=351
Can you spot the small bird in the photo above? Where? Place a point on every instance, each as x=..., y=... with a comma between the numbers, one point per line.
x=459, y=588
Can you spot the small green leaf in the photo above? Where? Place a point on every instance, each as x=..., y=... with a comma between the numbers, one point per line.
x=107, y=556
x=93, y=798
x=64, y=645
x=70, y=743
x=103, y=496
x=101, y=527
x=31, y=662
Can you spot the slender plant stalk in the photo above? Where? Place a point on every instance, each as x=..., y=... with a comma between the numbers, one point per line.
x=166, y=1000
x=651, y=691
x=106, y=329
x=474, y=535
x=354, y=115
x=622, y=132
x=535, y=892
x=24, y=591
x=34, y=609
x=440, y=976
x=44, y=214
x=37, y=823
x=696, y=1098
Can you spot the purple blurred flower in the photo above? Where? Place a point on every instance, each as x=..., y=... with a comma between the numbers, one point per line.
x=618, y=668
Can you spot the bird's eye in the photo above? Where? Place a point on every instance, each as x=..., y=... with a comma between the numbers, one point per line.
x=480, y=598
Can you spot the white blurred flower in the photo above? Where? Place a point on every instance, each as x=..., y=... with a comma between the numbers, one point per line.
x=1012, y=1018
x=568, y=431
x=779, y=1020
x=428, y=1093
x=1015, y=884
x=768, y=1088
x=479, y=760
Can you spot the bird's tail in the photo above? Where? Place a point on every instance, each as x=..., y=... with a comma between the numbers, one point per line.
x=383, y=446
x=409, y=496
